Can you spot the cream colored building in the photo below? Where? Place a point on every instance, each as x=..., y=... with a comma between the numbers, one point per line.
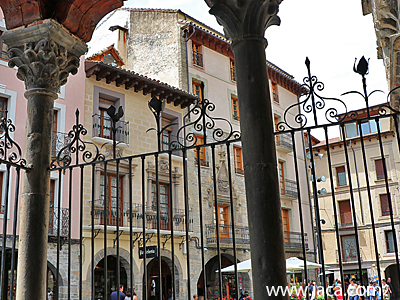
x=345, y=189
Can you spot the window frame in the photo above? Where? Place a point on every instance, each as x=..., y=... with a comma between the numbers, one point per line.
x=344, y=214
x=197, y=55
x=164, y=225
x=384, y=211
x=339, y=183
x=196, y=89
x=232, y=70
x=203, y=155
x=238, y=159
x=379, y=169
x=387, y=241
x=111, y=220
x=275, y=94
x=281, y=173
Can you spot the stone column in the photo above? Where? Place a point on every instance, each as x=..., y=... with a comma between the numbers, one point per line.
x=245, y=22
x=45, y=54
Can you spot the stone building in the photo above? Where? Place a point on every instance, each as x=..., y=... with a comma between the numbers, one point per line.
x=363, y=187
x=175, y=48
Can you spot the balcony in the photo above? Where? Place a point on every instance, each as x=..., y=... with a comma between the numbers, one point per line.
x=53, y=221
x=289, y=189
x=284, y=142
x=178, y=221
x=102, y=129
x=226, y=236
x=58, y=141
x=293, y=240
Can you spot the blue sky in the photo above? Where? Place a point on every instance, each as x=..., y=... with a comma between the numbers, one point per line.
x=331, y=33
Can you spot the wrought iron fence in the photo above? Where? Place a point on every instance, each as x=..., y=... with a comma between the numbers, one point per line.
x=58, y=141
x=64, y=221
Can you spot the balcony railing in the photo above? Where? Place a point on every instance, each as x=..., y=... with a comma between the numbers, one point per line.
x=53, y=221
x=225, y=234
x=58, y=141
x=293, y=240
x=284, y=142
x=102, y=128
x=289, y=189
x=197, y=58
x=178, y=221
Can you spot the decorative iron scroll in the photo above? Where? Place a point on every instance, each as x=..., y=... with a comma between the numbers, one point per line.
x=7, y=144
x=203, y=124
x=76, y=145
x=311, y=105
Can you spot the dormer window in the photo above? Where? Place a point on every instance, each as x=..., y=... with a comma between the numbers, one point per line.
x=109, y=59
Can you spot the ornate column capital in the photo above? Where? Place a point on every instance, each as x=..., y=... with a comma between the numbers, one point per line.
x=45, y=55
x=245, y=19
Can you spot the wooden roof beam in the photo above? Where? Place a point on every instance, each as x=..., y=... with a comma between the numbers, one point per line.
x=102, y=74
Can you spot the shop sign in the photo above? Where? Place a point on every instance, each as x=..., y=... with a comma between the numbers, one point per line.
x=151, y=251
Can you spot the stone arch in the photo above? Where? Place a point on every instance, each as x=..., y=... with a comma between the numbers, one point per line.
x=111, y=251
x=167, y=256
x=53, y=269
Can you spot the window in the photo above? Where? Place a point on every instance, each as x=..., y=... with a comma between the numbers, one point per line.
x=384, y=204
x=349, y=247
x=202, y=155
x=223, y=221
x=110, y=59
x=275, y=95
x=281, y=166
x=341, y=176
x=380, y=172
x=233, y=70
x=367, y=127
x=52, y=220
x=104, y=119
x=345, y=213
x=197, y=55
x=285, y=224
x=235, y=108
x=102, y=124
x=238, y=160
x=389, y=240
x=3, y=107
x=3, y=48
x=112, y=199
x=166, y=134
x=164, y=203
x=197, y=89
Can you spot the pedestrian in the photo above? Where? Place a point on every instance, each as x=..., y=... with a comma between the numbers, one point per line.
x=371, y=291
x=352, y=290
x=169, y=294
x=389, y=283
x=339, y=290
x=114, y=295
x=49, y=294
x=134, y=294
x=195, y=297
x=128, y=295
x=385, y=290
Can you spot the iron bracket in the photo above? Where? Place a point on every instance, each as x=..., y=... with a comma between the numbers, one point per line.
x=137, y=236
x=181, y=243
x=166, y=240
x=96, y=233
x=118, y=234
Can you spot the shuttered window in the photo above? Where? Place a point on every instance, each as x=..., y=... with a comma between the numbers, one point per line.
x=385, y=204
x=380, y=172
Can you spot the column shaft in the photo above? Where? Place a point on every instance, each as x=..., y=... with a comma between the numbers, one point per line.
x=34, y=214
x=260, y=167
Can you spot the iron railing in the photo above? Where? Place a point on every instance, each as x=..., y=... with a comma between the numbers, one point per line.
x=53, y=221
x=102, y=128
x=293, y=240
x=289, y=188
x=59, y=141
x=226, y=236
x=178, y=220
x=284, y=140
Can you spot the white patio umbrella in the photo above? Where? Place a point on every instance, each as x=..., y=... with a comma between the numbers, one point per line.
x=297, y=264
x=244, y=266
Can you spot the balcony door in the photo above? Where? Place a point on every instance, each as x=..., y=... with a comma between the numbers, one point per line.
x=281, y=177
x=165, y=205
x=223, y=221
x=112, y=198
x=285, y=224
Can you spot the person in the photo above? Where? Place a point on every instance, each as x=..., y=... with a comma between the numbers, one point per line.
x=134, y=294
x=195, y=297
x=310, y=289
x=49, y=294
x=114, y=295
x=385, y=290
x=352, y=290
x=389, y=283
x=169, y=294
x=128, y=295
x=371, y=291
x=339, y=290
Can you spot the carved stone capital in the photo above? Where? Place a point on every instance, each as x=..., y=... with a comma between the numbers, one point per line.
x=245, y=19
x=45, y=55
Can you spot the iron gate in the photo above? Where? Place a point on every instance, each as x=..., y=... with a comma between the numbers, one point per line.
x=164, y=222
